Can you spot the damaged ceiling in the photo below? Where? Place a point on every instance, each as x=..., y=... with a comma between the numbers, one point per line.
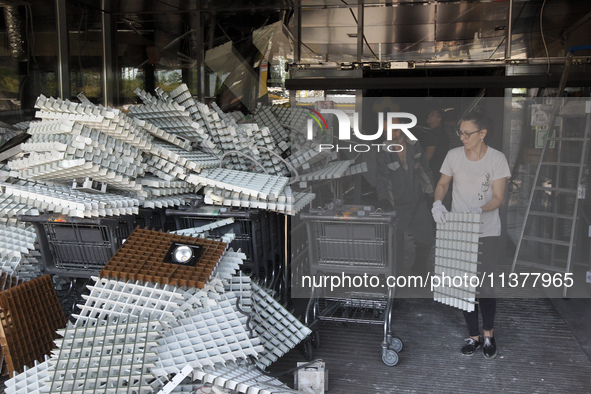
x=402, y=30
x=440, y=30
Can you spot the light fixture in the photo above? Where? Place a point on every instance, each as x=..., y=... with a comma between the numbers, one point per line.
x=183, y=254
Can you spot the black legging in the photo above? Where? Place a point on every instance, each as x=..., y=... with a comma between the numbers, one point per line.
x=489, y=254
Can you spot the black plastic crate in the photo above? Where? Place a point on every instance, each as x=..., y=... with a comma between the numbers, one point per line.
x=277, y=243
x=76, y=247
x=155, y=219
x=252, y=238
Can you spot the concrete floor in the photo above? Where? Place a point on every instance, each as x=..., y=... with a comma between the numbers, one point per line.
x=543, y=348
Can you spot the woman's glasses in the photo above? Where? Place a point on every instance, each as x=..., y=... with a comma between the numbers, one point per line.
x=465, y=133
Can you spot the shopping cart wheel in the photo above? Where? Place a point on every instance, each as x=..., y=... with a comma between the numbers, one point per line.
x=315, y=338
x=308, y=350
x=390, y=357
x=396, y=344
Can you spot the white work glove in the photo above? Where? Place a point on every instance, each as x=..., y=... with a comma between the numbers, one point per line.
x=475, y=210
x=438, y=211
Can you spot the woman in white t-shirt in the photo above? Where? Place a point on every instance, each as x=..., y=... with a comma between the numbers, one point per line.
x=479, y=175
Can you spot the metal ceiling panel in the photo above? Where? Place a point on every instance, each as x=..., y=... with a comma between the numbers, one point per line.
x=467, y=30
x=463, y=21
x=336, y=29
x=334, y=17
x=374, y=16
x=427, y=30
x=345, y=3
x=373, y=34
x=399, y=34
x=406, y=29
x=389, y=52
x=471, y=12
x=486, y=49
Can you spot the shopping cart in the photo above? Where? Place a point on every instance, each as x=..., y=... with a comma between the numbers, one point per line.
x=352, y=241
x=78, y=247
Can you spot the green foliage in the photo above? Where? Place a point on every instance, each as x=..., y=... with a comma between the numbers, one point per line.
x=168, y=80
x=9, y=82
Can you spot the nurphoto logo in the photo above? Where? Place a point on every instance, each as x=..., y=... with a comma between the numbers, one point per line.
x=392, y=121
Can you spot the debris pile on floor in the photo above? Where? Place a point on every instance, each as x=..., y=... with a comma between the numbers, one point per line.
x=147, y=323
x=140, y=334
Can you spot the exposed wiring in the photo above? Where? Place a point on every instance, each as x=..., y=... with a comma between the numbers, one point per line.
x=497, y=48
x=505, y=38
x=297, y=175
x=357, y=22
x=357, y=156
x=310, y=49
x=226, y=34
x=543, y=38
x=248, y=316
x=287, y=126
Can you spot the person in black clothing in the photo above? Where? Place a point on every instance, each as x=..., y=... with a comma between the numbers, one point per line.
x=403, y=183
x=436, y=142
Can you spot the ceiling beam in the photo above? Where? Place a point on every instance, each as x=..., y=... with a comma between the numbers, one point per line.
x=449, y=82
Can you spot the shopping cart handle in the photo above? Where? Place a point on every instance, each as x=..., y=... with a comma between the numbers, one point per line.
x=379, y=217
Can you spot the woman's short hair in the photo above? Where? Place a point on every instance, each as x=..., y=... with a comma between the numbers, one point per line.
x=480, y=119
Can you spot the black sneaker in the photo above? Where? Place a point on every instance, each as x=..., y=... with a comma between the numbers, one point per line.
x=489, y=349
x=470, y=346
